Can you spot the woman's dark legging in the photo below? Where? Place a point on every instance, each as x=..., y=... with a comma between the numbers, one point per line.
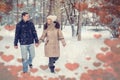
x=52, y=60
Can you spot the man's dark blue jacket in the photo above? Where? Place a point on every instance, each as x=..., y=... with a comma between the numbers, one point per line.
x=25, y=33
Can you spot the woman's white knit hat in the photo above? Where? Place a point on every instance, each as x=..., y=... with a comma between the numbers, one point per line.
x=52, y=17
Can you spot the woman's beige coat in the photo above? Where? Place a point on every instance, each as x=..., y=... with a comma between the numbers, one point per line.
x=52, y=36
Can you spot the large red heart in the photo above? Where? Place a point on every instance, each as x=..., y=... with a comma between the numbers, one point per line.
x=1, y=38
x=115, y=49
x=113, y=42
x=44, y=67
x=72, y=66
x=97, y=36
x=7, y=58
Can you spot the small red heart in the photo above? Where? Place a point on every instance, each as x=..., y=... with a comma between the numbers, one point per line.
x=19, y=60
x=71, y=78
x=88, y=58
x=53, y=78
x=85, y=67
x=7, y=58
x=1, y=53
x=57, y=69
x=112, y=42
x=1, y=38
x=62, y=77
x=9, y=27
x=97, y=64
x=34, y=70
x=7, y=47
x=104, y=49
x=72, y=66
x=44, y=67
x=97, y=36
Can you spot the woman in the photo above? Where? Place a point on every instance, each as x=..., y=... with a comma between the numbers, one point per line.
x=52, y=34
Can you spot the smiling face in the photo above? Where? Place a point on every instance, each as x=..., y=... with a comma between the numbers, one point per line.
x=49, y=21
x=26, y=17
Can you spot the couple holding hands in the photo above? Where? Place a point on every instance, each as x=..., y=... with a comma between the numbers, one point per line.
x=26, y=35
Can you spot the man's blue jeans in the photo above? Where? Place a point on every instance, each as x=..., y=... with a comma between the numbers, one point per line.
x=28, y=53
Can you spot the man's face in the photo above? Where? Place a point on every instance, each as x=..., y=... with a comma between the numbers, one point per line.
x=26, y=17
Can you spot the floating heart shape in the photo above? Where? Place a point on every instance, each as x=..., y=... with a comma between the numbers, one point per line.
x=1, y=38
x=112, y=42
x=72, y=66
x=44, y=67
x=70, y=78
x=34, y=70
x=97, y=64
x=9, y=27
x=88, y=58
x=62, y=77
x=115, y=49
x=7, y=58
x=104, y=49
x=101, y=57
x=19, y=60
x=1, y=53
x=57, y=69
x=97, y=36
x=7, y=47
x=53, y=78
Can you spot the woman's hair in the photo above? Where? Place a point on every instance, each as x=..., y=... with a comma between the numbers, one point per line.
x=57, y=25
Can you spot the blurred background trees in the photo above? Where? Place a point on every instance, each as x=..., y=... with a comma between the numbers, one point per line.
x=75, y=13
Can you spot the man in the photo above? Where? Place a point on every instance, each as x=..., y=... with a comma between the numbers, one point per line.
x=26, y=35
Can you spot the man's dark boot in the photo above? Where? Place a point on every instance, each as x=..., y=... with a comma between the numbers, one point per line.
x=30, y=65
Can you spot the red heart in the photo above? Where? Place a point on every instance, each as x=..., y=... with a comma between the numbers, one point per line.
x=44, y=67
x=53, y=78
x=7, y=58
x=97, y=36
x=104, y=49
x=72, y=66
x=62, y=77
x=19, y=60
x=1, y=53
x=57, y=69
x=9, y=27
x=97, y=64
x=7, y=47
x=34, y=70
x=71, y=78
x=115, y=49
x=113, y=42
x=101, y=57
x=88, y=58
x=1, y=38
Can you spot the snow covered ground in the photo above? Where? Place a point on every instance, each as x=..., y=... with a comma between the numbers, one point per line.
x=76, y=58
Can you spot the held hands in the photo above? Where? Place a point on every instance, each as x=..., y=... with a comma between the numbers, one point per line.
x=16, y=47
x=64, y=44
x=36, y=44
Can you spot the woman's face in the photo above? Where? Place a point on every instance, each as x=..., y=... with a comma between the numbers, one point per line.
x=49, y=21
